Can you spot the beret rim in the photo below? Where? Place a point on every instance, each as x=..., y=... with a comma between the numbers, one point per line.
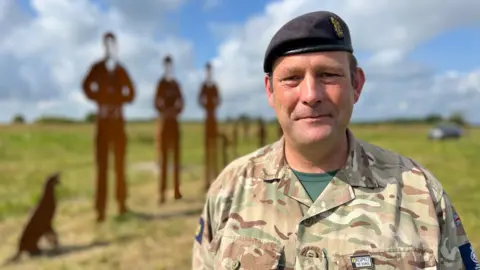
x=279, y=51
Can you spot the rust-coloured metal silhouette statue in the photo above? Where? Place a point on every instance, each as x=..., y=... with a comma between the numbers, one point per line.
x=108, y=84
x=262, y=133
x=169, y=104
x=209, y=99
x=40, y=223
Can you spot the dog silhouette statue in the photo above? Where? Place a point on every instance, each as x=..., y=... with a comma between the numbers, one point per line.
x=40, y=222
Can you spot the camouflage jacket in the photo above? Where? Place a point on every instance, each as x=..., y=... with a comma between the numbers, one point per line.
x=381, y=211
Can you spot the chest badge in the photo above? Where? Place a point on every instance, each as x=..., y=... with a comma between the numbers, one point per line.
x=362, y=262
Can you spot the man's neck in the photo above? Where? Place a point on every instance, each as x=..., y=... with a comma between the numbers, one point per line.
x=323, y=157
x=168, y=77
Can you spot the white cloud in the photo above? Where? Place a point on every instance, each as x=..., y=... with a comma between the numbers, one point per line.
x=44, y=60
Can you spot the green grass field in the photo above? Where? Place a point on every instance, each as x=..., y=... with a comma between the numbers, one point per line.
x=160, y=237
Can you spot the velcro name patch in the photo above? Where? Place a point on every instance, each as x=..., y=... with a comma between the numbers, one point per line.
x=361, y=261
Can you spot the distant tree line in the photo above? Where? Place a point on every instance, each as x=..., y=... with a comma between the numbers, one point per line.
x=431, y=119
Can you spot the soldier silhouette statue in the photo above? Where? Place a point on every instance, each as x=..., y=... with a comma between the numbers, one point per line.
x=169, y=104
x=108, y=84
x=209, y=100
x=262, y=133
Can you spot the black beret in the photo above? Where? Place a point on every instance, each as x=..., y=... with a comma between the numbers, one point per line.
x=310, y=32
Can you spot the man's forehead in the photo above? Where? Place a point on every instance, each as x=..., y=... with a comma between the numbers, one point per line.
x=336, y=60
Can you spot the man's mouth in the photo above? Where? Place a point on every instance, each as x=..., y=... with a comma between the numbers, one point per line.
x=312, y=117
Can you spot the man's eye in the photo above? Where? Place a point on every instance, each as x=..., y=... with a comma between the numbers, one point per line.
x=328, y=75
x=292, y=78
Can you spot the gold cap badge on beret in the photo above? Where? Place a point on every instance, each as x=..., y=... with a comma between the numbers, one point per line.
x=337, y=27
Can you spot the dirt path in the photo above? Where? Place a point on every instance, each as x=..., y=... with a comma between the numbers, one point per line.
x=141, y=240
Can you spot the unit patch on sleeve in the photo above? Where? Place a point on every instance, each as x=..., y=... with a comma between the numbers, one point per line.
x=468, y=257
x=199, y=232
x=456, y=218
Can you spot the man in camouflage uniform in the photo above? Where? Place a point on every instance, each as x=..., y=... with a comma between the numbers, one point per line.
x=319, y=198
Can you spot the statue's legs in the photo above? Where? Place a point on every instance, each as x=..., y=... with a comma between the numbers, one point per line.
x=170, y=142
x=101, y=159
x=164, y=142
x=176, y=139
x=211, y=165
x=119, y=139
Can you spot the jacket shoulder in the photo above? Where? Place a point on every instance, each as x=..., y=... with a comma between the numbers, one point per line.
x=238, y=170
x=405, y=169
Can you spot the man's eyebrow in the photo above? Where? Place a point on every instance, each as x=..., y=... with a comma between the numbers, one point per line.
x=319, y=67
x=291, y=69
x=329, y=67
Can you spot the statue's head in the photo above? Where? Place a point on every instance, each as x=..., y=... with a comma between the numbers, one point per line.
x=168, y=63
x=208, y=72
x=109, y=41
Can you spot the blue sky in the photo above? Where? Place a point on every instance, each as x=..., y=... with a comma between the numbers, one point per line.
x=455, y=49
x=195, y=25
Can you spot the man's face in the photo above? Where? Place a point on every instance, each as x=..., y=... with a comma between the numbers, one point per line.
x=313, y=95
x=111, y=48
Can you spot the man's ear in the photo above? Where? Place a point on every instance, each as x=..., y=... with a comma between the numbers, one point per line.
x=358, y=84
x=269, y=89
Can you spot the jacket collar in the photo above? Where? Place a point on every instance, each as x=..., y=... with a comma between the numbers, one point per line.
x=356, y=171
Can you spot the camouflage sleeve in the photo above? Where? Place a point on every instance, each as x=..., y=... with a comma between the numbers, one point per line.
x=454, y=248
x=201, y=256
x=214, y=216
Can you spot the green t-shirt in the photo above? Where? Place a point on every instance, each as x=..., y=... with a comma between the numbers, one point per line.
x=315, y=183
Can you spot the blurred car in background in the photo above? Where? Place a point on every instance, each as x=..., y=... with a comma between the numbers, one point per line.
x=445, y=131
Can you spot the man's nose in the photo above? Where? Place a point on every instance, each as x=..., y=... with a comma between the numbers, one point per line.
x=311, y=91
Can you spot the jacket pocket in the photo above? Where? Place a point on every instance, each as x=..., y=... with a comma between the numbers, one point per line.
x=393, y=258
x=311, y=258
x=246, y=253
